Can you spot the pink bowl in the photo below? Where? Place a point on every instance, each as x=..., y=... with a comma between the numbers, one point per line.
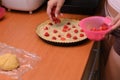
x=95, y=21
x=2, y=12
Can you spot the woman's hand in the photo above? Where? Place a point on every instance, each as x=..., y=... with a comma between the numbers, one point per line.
x=116, y=22
x=57, y=4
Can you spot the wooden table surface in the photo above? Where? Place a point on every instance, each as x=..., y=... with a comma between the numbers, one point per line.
x=17, y=29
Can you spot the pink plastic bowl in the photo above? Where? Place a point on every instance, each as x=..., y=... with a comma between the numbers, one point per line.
x=95, y=21
x=2, y=12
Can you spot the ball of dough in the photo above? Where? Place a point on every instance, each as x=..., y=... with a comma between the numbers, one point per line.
x=8, y=61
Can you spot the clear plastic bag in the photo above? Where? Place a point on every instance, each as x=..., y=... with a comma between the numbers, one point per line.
x=27, y=61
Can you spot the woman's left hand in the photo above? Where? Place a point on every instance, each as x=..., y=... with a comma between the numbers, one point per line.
x=115, y=22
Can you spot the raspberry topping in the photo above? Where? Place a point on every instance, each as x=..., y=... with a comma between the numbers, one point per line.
x=75, y=37
x=76, y=31
x=68, y=35
x=55, y=31
x=81, y=35
x=46, y=34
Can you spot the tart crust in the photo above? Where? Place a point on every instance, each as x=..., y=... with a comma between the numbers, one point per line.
x=68, y=31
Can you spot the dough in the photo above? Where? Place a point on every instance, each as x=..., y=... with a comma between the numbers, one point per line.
x=8, y=61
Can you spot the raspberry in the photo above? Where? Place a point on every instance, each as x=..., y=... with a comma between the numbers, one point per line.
x=55, y=31
x=75, y=37
x=54, y=38
x=68, y=23
x=76, y=31
x=59, y=35
x=81, y=35
x=46, y=28
x=68, y=35
x=81, y=30
x=62, y=38
x=73, y=26
x=46, y=34
x=50, y=24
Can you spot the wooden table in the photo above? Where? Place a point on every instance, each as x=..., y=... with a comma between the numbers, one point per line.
x=57, y=63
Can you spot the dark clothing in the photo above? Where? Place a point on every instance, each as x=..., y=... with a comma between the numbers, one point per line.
x=116, y=44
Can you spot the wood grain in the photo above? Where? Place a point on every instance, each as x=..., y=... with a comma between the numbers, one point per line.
x=57, y=63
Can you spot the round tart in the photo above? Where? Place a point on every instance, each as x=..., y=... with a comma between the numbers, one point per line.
x=68, y=31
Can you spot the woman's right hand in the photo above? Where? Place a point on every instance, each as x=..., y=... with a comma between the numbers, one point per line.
x=57, y=4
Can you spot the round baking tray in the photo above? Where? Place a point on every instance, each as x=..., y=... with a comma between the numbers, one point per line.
x=69, y=42
x=66, y=44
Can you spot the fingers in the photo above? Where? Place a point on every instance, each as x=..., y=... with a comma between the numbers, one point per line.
x=58, y=7
x=115, y=19
x=57, y=11
x=49, y=9
x=116, y=22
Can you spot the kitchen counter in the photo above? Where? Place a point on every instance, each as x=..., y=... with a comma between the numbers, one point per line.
x=57, y=63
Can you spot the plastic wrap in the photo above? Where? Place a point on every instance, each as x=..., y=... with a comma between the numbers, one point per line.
x=27, y=61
